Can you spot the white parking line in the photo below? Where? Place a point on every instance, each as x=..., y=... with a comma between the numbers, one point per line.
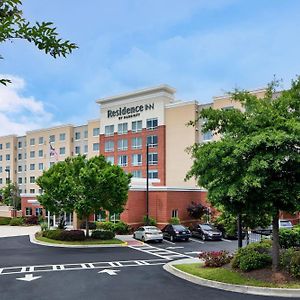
x=226, y=240
x=197, y=241
x=169, y=242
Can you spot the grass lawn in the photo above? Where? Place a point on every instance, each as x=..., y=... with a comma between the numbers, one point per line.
x=228, y=276
x=79, y=243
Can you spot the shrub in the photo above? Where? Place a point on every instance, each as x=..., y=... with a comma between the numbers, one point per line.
x=174, y=221
x=253, y=256
x=121, y=228
x=289, y=238
x=4, y=220
x=32, y=220
x=215, y=258
x=105, y=225
x=295, y=264
x=16, y=222
x=44, y=226
x=52, y=234
x=103, y=235
x=151, y=221
x=72, y=235
x=286, y=258
x=41, y=219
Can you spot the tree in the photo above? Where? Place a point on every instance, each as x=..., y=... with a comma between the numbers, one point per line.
x=43, y=35
x=254, y=169
x=11, y=196
x=196, y=210
x=84, y=186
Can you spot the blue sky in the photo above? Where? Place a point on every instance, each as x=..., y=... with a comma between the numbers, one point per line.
x=202, y=48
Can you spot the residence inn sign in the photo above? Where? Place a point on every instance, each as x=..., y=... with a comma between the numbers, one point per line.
x=129, y=112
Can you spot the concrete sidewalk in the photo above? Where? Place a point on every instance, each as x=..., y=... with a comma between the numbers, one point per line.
x=8, y=231
x=129, y=240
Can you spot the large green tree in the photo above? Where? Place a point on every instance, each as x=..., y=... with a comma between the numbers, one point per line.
x=11, y=196
x=84, y=186
x=254, y=168
x=43, y=35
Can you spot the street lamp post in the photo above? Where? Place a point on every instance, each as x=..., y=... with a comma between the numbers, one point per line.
x=147, y=185
x=7, y=169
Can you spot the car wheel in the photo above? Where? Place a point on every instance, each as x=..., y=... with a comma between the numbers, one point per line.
x=186, y=239
x=203, y=237
x=172, y=238
x=134, y=236
x=143, y=239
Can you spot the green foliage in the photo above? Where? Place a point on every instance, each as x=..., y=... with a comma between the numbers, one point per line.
x=4, y=220
x=121, y=228
x=289, y=237
x=295, y=264
x=252, y=257
x=11, y=196
x=52, y=234
x=43, y=35
x=196, y=210
x=103, y=234
x=214, y=259
x=174, y=221
x=44, y=226
x=16, y=222
x=151, y=221
x=105, y=226
x=286, y=257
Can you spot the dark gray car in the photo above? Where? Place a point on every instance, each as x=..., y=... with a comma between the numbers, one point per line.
x=206, y=232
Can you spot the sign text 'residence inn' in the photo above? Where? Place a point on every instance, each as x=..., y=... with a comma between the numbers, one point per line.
x=129, y=112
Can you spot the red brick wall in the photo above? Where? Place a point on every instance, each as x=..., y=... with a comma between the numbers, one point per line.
x=25, y=204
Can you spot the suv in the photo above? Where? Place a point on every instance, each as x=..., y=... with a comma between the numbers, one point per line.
x=268, y=230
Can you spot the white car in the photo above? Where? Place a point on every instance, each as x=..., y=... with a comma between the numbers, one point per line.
x=148, y=233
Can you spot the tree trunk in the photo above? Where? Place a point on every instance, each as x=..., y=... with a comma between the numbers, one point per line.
x=275, y=244
x=239, y=225
x=87, y=227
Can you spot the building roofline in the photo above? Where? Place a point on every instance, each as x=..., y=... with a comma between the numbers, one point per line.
x=138, y=93
x=51, y=128
x=226, y=96
x=181, y=103
x=8, y=136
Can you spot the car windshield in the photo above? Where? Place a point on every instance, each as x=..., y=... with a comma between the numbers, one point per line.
x=179, y=227
x=285, y=223
x=152, y=228
x=207, y=227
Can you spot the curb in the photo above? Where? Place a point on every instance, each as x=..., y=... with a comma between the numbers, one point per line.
x=244, y=289
x=33, y=240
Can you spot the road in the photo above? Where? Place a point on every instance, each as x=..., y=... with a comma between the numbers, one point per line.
x=29, y=271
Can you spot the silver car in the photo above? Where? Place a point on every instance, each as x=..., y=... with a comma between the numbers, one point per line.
x=148, y=233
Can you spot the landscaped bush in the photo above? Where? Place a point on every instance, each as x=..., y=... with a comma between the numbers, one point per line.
x=286, y=258
x=4, y=220
x=252, y=257
x=105, y=225
x=295, y=264
x=92, y=225
x=289, y=237
x=103, y=235
x=215, y=258
x=16, y=222
x=52, y=234
x=121, y=228
x=32, y=220
x=174, y=221
x=44, y=226
x=72, y=235
x=151, y=221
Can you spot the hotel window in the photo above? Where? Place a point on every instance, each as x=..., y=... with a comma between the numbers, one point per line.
x=0, y=146
x=136, y=143
x=109, y=130
x=0, y=157
x=77, y=136
x=41, y=166
x=110, y=159
x=1, y=181
x=19, y=156
x=122, y=144
x=122, y=160
x=62, y=150
x=20, y=180
x=95, y=146
x=85, y=149
x=62, y=136
x=38, y=211
x=28, y=210
x=19, y=145
x=32, y=154
x=32, y=191
x=32, y=179
x=114, y=217
x=85, y=134
x=153, y=174
x=227, y=107
x=31, y=167
x=7, y=145
x=174, y=213
x=136, y=126
x=40, y=191
x=32, y=142
x=152, y=159
x=152, y=141
x=52, y=138
x=19, y=168
x=207, y=136
x=0, y=169
x=77, y=150
x=100, y=216
x=137, y=174
x=152, y=124
x=122, y=128
x=41, y=153
x=51, y=163
x=136, y=159
x=7, y=156
x=109, y=146
x=96, y=131
x=41, y=140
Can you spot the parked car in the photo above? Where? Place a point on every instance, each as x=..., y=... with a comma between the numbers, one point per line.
x=268, y=230
x=148, y=233
x=285, y=224
x=176, y=232
x=206, y=232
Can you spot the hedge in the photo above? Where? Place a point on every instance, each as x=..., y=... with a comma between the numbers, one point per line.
x=103, y=234
x=16, y=222
x=5, y=220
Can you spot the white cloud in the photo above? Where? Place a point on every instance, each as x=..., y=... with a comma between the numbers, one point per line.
x=19, y=113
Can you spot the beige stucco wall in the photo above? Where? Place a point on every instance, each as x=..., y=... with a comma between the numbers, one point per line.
x=178, y=138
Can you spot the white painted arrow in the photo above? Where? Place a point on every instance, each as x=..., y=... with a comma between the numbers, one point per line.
x=175, y=248
x=110, y=272
x=29, y=277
